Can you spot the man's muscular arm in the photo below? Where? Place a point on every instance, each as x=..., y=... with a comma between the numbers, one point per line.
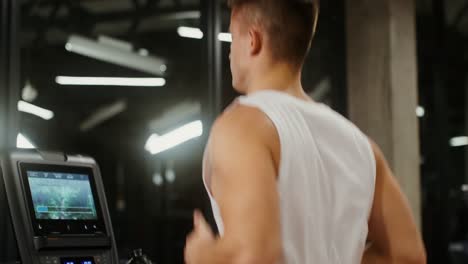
x=393, y=233
x=243, y=182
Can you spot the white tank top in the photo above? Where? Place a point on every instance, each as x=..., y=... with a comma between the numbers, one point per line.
x=326, y=180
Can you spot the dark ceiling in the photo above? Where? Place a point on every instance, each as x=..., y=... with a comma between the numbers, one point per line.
x=47, y=24
x=152, y=25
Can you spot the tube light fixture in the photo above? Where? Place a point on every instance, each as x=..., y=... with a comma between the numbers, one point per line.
x=157, y=144
x=459, y=141
x=116, y=52
x=225, y=37
x=110, y=81
x=35, y=110
x=190, y=32
x=196, y=33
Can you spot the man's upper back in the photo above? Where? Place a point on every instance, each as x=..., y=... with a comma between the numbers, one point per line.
x=325, y=179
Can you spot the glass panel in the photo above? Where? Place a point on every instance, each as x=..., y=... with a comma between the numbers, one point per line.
x=443, y=82
x=8, y=246
x=113, y=79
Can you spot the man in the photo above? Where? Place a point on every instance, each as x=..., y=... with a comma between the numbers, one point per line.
x=290, y=180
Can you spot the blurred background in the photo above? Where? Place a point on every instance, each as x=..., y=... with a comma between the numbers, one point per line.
x=105, y=78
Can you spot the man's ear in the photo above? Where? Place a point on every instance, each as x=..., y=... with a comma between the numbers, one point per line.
x=256, y=41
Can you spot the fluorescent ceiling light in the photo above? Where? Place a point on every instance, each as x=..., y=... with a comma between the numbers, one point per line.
x=182, y=15
x=420, y=111
x=35, y=110
x=190, y=32
x=157, y=144
x=110, y=81
x=459, y=141
x=226, y=37
x=103, y=114
x=23, y=143
x=196, y=33
x=115, y=52
x=117, y=43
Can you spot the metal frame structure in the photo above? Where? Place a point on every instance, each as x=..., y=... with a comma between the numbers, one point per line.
x=3, y=69
x=9, y=72
x=340, y=91
x=440, y=133
x=9, y=77
x=439, y=177
x=212, y=15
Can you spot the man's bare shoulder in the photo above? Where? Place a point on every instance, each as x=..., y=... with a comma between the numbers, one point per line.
x=243, y=122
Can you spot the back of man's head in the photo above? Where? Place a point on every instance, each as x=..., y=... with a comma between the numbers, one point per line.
x=289, y=24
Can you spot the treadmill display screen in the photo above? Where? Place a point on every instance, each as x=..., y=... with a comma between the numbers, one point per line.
x=61, y=196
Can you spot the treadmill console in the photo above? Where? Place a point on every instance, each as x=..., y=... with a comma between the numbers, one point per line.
x=58, y=208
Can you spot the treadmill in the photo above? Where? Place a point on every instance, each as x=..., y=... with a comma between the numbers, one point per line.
x=58, y=208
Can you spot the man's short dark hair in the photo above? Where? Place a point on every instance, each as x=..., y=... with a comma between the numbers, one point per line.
x=289, y=24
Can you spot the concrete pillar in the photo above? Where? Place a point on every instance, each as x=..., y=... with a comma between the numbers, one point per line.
x=3, y=71
x=382, y=84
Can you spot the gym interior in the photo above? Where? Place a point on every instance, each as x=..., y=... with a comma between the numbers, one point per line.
x=91, y=89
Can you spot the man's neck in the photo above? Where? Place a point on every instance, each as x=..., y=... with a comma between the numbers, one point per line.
x=279, y=78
